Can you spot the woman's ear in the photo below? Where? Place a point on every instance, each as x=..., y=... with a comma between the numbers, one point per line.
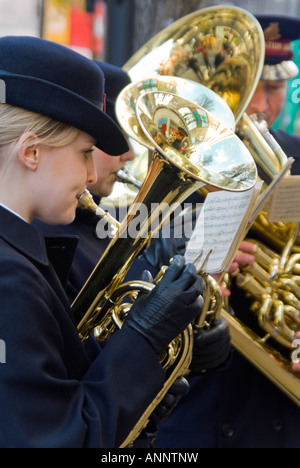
x=29, y=154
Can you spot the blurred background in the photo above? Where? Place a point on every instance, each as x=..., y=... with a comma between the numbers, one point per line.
x=112, y=30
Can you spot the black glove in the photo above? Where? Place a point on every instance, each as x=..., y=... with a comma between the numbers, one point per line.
x=171, y=399
x=211, y=348
x=161, y=250
x=147, y=437
x=167, y=245
x=174, y=303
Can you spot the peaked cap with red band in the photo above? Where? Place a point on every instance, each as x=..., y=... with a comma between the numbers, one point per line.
x=279, y=32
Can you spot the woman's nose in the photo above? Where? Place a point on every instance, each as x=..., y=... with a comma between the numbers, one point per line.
x=129, y=156
x=91, y=173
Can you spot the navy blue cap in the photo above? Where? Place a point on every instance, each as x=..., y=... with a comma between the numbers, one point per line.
x=115, y=80
x=53, y=80
x=279, y=32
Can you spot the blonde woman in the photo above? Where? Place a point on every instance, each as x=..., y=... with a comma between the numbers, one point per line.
x=56, y=391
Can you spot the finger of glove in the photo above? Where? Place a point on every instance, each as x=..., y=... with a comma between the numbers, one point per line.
x=212, y=361
x=177, y=278
x=193, y=293
x=181, y=316
x=180, y=386
x=187, y=278
x=175, y=269
x=212, y=349
x=160, y=410
x=181, y=251
x=156, y=419
x=170, y=245
x=213, y=335
x=180, y=243
x=198, y=365
x=165, y=408
x=169, y=248
x=146, y=276
x=170, y=401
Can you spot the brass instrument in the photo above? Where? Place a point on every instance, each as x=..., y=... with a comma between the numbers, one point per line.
x=272, y=282
x=124, y=191
x=220, y=47
x=270, y=158
x=223, y=48
x=176, y=170
x=126, y=177
x=125, y=111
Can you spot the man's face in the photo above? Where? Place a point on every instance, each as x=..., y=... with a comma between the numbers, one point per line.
x=268, y=99
x=107, y=168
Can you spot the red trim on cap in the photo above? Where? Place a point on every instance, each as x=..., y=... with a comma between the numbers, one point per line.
x=104, y=102
x=279, y=48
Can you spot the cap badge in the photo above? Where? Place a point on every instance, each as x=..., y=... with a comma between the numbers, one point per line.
x=272, y=32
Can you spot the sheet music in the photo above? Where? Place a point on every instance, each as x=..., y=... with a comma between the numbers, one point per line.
x=216, y=228
x=285, y=203
x=264, y=197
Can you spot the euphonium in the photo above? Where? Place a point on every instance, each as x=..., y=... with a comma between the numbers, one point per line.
x=126, y=114
x=223, y=49
x=176, y=170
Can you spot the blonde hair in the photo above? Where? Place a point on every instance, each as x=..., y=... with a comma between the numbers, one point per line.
x=17, y=124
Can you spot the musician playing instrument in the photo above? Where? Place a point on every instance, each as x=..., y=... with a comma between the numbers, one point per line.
x=240, y=407
x=213, y=348
x=56, y=390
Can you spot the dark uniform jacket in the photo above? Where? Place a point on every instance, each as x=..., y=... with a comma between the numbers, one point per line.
x=89, y=249
x=238, y=407
x=56, y=391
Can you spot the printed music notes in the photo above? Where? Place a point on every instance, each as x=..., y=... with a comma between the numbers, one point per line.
x=285, y=203
x=219, y=228
x=225, y=219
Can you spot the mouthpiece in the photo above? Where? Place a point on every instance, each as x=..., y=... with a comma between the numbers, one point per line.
x=126, y=177
x=86, y=202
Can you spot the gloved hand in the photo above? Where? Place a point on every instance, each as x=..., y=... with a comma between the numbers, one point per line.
x=172, y=239
x=167, y=310
x=211, y=348
x=171, y=399
x=163, y=410
x=161, y=250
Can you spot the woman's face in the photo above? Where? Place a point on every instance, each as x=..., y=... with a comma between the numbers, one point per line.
x=62, y=176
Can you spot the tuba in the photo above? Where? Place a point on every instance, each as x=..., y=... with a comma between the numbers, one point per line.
x=222, y=48
x=177, y=169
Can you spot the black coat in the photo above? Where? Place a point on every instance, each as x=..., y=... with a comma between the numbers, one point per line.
x=237, y=407
x=56, y=391
x=291, y=146
x=89, y=250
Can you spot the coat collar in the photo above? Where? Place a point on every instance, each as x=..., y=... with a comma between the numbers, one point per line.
x=22, y=236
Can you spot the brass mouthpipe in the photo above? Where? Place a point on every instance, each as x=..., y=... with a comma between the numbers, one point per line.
x=261, y=124
x=86, y=201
